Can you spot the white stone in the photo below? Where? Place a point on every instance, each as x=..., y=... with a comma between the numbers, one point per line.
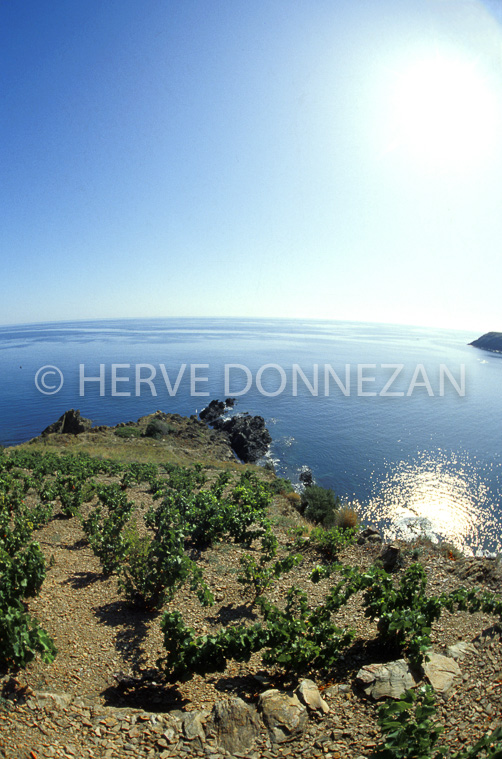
x=441, y=671
x=386, y=680
x=310, y=696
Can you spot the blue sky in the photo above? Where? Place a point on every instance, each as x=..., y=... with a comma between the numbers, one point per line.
x=321, y=159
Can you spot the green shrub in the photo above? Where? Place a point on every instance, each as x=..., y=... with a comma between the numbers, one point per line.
x=128, y=432
x=331, y=541
x=158, y=430
x=260, y=575
x=319, y=505
x=410, y=732
x=405, y=614
x=279, y=485
x=73, y=490
x=22, y=573
x=21, y=638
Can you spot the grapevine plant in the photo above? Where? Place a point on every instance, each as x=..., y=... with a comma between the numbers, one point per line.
x=411, y=732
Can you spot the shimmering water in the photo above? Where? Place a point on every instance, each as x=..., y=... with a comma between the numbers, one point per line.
x=421, y=460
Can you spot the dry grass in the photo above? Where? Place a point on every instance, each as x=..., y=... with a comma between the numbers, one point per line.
x=188, y=445
x=346, y=517
x=293, y=498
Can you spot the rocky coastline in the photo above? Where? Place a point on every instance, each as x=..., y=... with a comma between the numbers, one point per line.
x=244, y=435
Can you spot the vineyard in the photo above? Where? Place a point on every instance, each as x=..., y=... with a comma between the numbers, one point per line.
x=192, y=581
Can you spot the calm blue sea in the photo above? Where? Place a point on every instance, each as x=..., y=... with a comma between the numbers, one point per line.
x=423, y=454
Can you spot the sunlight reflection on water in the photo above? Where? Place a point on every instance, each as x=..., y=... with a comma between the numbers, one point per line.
x=442, y=496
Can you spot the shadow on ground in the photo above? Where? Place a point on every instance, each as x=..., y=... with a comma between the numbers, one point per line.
x=133, y=626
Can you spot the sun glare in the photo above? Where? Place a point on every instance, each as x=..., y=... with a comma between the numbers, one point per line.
x=444, y=113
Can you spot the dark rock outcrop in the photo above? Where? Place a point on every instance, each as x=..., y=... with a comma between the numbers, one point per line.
x=215, y=409
x=306, y=477
x=70, y=423
x=212, y=412
x=491, y=341
x=248, y=436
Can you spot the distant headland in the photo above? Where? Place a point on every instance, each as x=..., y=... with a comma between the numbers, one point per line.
x=491, y=341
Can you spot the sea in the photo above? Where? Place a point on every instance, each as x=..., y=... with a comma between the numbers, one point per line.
x=403, y=423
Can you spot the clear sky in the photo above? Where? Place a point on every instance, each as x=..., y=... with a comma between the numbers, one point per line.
x=278, y=158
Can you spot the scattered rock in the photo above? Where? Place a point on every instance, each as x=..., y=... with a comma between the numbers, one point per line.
x=440, y=671
x=62, y=700
x=460, y=650
x=236, y=725
x=308, y=693
x=480, y=570
x=369, y=535
x=391, y=557
x=386, y=680
x=283, y=714
x=70, y=423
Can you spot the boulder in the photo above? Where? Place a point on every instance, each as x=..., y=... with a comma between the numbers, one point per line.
x=386, y=680
x=247, y=435
x=283, y=714
x=308, y=693
x=441, y=671
x=193, y=725
x=70, y=423
x=235, y=724
x=369, y=535
x=49, y=700
x=390, y=557
x=480, y=569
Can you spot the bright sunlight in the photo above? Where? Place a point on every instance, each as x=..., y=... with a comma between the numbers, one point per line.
x=444, y=114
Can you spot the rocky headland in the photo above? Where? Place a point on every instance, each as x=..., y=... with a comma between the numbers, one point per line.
x=213, y=434
x=491, y=341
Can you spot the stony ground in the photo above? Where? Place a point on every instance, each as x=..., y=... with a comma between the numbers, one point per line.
x=104, y=696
